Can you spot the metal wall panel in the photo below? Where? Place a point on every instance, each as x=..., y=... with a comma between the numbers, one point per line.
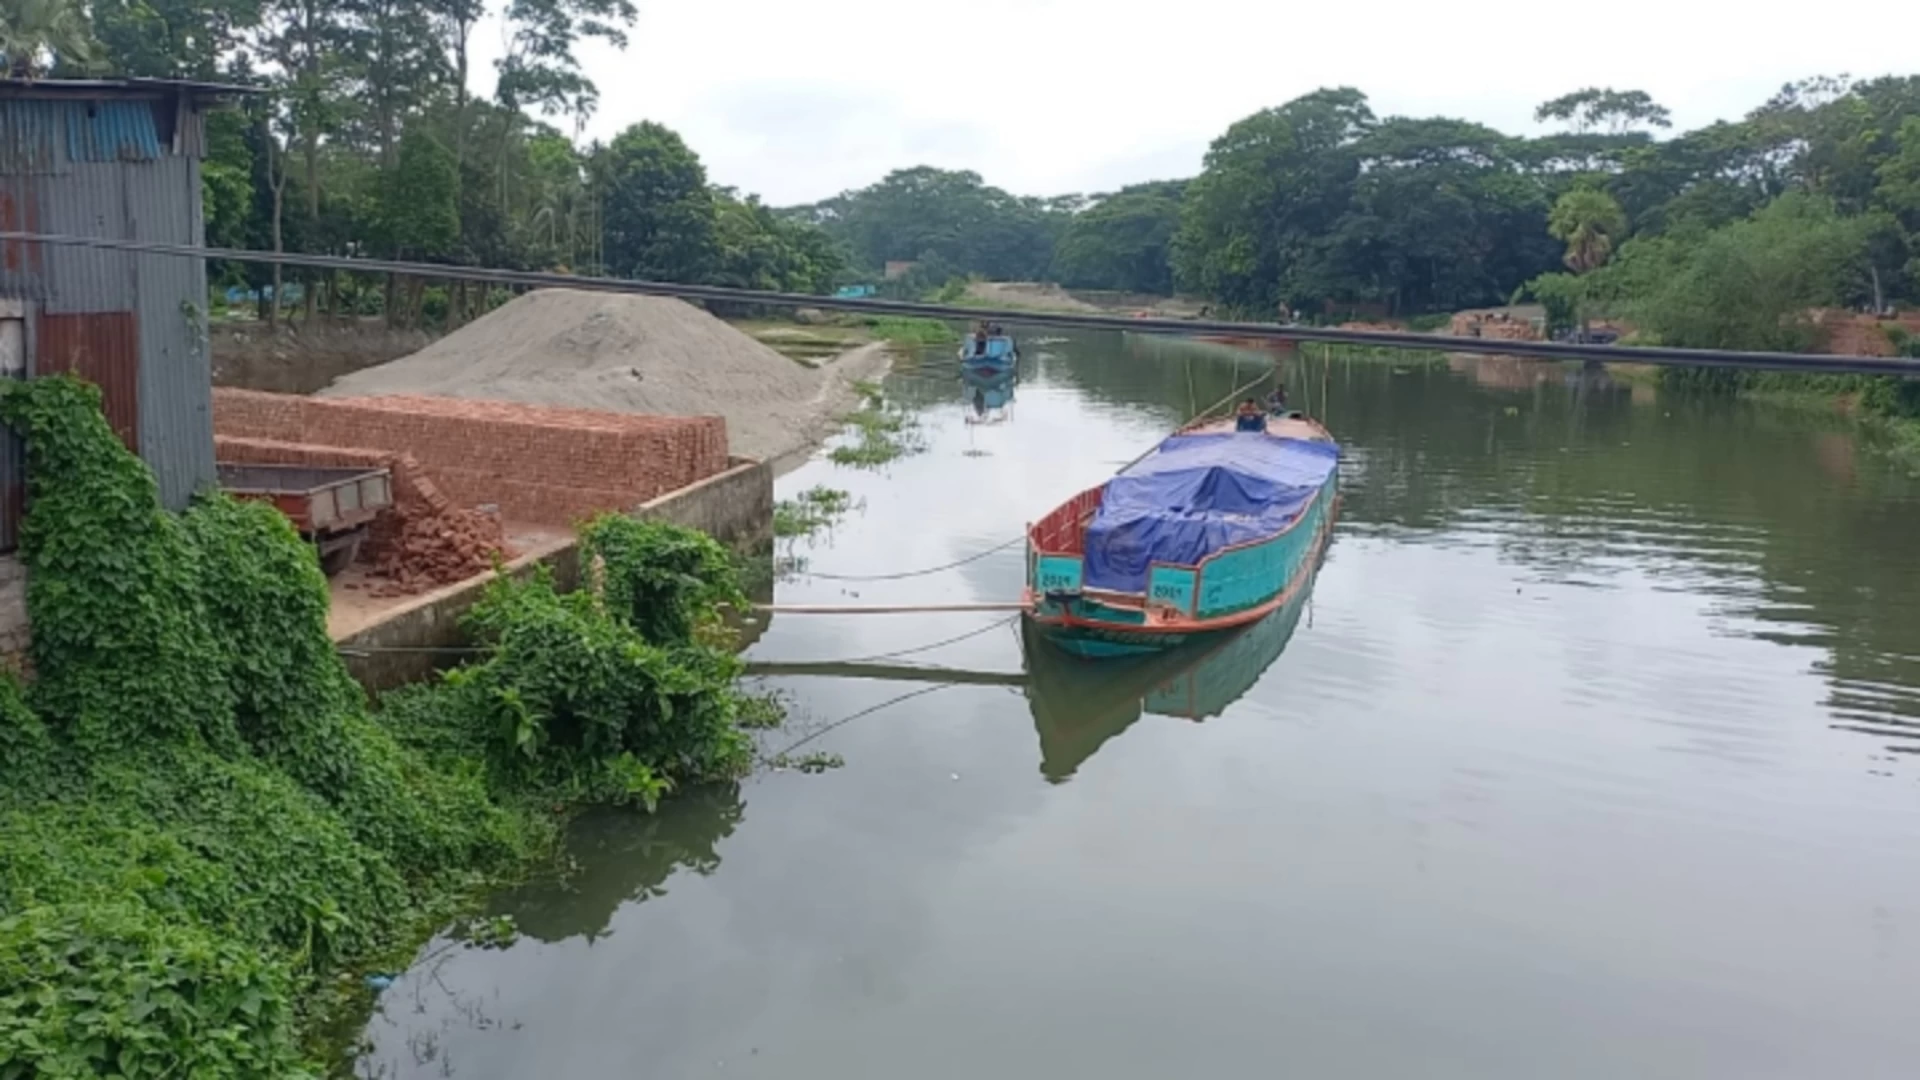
x=192, y=139
x=23, y=266
x=102, y=131
x=32, y=136
x=89, y=201
x=104, y=349
x=176, y=377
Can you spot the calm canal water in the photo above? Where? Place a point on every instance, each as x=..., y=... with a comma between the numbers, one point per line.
x=1589, y=755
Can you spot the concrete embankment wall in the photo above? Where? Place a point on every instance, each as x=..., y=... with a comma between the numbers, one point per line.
x=736, y=507
x=306, y=357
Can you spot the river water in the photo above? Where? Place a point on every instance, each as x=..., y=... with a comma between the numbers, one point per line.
x=1588, y=755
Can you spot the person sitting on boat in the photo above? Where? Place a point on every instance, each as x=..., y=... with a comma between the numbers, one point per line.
x=980, y=339
x=1277, y=401
x=1250, y=417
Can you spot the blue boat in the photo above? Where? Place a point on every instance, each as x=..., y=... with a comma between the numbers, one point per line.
x=988, y=355
x=1215, y=529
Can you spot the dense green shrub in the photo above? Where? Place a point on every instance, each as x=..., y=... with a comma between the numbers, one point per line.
x=200, y=819
x=114, y=990
x=121, y=647
x=662, y=580
x=298, y=708
x=582, y=706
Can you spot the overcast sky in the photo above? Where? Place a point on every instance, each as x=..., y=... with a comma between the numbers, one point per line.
x=799, y=101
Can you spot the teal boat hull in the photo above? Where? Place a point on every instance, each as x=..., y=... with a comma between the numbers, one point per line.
x=1268, y=575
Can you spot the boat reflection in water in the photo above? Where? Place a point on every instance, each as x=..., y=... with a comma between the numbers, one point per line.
x=1078, y=705
x=988, y=393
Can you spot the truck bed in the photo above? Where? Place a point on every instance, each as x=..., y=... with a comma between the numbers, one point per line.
x=318, y=500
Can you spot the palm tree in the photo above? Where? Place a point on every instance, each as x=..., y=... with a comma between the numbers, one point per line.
x=1589, y=222
x=31, y=30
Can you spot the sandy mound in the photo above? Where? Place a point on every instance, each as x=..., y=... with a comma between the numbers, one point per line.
x=1034, y=296
x=637, y=354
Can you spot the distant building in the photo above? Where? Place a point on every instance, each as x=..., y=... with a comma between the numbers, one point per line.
x=116, y=159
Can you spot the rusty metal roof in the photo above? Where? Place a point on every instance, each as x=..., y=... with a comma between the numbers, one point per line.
x=43, y=135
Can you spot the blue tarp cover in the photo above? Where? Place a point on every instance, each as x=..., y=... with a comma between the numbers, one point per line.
x=1196, y=495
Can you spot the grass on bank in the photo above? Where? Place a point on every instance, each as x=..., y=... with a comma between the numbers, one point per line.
x=879, y=432
x=205, y=829
x=817, y=508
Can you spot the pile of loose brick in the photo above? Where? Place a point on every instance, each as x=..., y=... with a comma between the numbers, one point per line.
x=1497, y=325
x=533, y=465
x=423, y=542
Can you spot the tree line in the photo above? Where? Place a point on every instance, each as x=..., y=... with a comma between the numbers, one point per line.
x=371, y=143
x=1720, y=237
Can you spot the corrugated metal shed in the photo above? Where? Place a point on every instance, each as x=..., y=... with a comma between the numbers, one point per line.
x=176, y=374
x=115, y=159
x=113, y=130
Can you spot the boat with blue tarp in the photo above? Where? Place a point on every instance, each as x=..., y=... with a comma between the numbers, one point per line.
x=1214, y=529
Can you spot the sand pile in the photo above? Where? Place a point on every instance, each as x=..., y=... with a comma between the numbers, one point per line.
x=635, y=354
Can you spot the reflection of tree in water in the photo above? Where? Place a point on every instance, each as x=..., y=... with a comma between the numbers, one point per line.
x=1752, y=507
x=619, y=857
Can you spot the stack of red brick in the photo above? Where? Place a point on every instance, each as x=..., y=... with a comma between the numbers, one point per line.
x=424, y=541
x=539, y=465
x=1493, y=324
x=534, y=465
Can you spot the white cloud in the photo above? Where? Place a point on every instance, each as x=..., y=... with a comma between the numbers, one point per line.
x=798, y=102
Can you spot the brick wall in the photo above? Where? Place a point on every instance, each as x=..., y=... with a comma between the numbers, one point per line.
x=537, y=464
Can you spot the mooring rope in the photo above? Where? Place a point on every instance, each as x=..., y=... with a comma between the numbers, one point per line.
x=917, y=573
x=995, y=625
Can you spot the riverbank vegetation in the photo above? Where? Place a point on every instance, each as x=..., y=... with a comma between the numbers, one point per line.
x=877, y=433
x=205, y=829
x=819, y=507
